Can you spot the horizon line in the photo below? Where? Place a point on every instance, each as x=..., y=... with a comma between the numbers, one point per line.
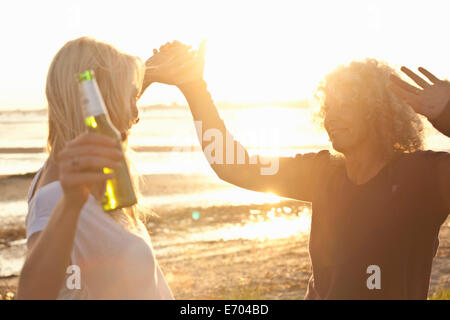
x=301, y=103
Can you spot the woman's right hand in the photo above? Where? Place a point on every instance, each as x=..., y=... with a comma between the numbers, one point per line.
x=430, y=100
x=175, y=64
x=81, y=164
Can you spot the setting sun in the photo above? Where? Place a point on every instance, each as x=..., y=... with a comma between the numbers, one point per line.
x=256, y=51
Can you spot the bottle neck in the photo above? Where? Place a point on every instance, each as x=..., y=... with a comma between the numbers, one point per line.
x=92, y=101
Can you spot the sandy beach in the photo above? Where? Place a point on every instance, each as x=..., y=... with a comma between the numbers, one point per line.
x=224, y=254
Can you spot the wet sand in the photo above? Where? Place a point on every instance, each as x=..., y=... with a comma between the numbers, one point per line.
x=201, y=263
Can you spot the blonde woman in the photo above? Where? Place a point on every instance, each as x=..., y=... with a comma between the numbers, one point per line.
x=378, y=207
x=68, y=233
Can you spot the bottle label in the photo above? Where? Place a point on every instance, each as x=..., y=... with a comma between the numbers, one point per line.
x=91, y=99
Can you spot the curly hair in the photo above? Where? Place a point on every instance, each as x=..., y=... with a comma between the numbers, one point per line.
x=393, y=123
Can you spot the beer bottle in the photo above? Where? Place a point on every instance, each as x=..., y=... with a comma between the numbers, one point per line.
x=119, y=190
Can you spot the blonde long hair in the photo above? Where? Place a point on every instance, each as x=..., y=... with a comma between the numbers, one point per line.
x=115, y=71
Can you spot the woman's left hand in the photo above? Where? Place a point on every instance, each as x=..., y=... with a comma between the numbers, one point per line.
x=163, y=63
x=174, y=64
x=430, y=100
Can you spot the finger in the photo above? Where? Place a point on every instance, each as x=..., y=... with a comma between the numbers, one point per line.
x=88, y=163
x=405, y=95
x=180, y=59
x=179, y=44
x=429, y=75
x=165, y=46
x=97, y=189
x=415, y=77
x=178, y=55
x=94, y=139
x=183, y=47
x=162, y=56
x=84, y=178
x=174, y=64
x=90, y=150
x=405, y=85
x=169, y=57
x=177, y=51
x=186, y=66
x=175, y=47
x=155, y=51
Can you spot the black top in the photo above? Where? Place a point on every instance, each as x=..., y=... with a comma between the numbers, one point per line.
x=392, y=221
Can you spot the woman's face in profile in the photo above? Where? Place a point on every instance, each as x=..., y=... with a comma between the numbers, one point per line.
x=133, y=104
x=345, y=124
x=134, y=111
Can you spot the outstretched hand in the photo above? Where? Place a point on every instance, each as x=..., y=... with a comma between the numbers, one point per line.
x=175, y=64
x=429, y=100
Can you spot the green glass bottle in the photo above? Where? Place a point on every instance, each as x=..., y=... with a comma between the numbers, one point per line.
x=119, y=190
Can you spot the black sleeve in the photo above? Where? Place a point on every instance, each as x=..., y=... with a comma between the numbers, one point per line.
x=435, y=168
x=442, y=123
x=292, y=177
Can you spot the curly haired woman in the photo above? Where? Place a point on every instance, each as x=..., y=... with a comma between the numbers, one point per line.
x=377, y=207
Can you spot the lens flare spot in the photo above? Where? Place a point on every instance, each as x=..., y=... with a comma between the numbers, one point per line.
x=195, y=215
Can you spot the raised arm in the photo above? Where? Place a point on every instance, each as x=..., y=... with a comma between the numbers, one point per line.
x=227, y=157
x=49, y=250
x=432, y=100
x=289, y=177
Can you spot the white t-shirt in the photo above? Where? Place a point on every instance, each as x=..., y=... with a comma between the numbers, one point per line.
x=114, y=263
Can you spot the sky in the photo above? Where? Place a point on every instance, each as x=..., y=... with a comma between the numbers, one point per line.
x=257, y=51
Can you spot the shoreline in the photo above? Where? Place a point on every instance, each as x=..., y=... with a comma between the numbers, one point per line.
x=25, y=175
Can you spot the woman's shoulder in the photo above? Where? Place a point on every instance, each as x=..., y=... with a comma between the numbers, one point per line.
x=421, y=156
x=421, y=164
x=51, y=192
x=44, y=199
x=323, y=156
x=40, y=207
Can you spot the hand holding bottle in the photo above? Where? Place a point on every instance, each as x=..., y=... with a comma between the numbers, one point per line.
x=81, y=164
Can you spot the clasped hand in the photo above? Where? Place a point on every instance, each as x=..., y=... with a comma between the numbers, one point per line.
x=175, y=64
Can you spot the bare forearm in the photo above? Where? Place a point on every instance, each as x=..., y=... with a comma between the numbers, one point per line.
x=44, y=270
x=207, y=119
x=202, y=106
